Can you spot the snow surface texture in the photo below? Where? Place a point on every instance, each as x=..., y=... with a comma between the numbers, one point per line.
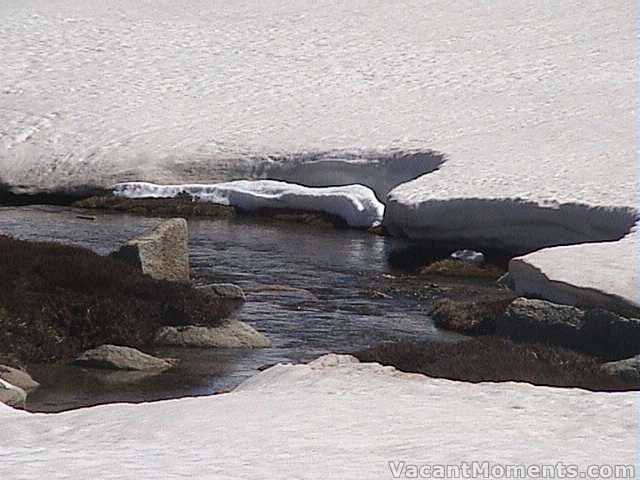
x=528, y=99
x=355, y=204
x=333, y=418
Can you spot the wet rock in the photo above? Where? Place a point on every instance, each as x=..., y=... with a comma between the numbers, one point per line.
x=627, y=370
x=12, y=395
x=284, y=292
x=541, y=321
x=17, y=377
x=115, y=357
x=231, y=334
x=161, y=253
x=228, y=291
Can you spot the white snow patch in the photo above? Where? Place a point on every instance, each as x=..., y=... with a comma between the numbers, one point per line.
x=334, y=418
x=355, y=204
x=601, y=275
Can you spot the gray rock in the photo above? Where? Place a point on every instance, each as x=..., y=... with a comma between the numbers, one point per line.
x=12, y=395
x=114, y=357
x=506, y=280
x=19, y=378
x=231, y=334
x=161, y=253
x=541, y=321
x=596, y=331
x=225, y=290
x=627, y=370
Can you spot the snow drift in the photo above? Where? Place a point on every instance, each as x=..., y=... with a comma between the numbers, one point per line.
x=333, y=418
x=357, y=205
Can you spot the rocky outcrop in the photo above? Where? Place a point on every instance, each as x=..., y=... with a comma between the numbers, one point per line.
x=12, y=395
x=228, y=291
x=541, y=321
x=161, y=253
x=17, y=377
x=627, y=370
x=115, y=357
x=595, y=331
x=231, y=334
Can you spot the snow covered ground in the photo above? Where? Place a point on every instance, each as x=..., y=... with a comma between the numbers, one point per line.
x=527, y=99
x=357, y=205
x=329, y=419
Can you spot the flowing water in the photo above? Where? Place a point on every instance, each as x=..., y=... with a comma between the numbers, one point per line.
x=309, y=290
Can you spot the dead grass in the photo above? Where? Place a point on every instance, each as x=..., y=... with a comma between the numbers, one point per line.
x=493, y=359
x=158, y=207
x=456, y=268
x=476, y=317
x=58, y=300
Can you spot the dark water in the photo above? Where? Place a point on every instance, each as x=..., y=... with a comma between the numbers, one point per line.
x=309, y=290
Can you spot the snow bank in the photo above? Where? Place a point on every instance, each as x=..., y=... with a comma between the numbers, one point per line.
x=514, y=224
x=333, y=418
x=592, y=275
x=381, y=171
x=357, y=205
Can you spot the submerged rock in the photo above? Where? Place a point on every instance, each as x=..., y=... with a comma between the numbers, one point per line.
x=12, y=395
x=161, y=253
x=228, y=291
x=231, y=334
x=19, y=378
x=115, y=357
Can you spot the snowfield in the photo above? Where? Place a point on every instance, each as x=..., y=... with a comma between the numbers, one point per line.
x=333, y=418
x=357, y=205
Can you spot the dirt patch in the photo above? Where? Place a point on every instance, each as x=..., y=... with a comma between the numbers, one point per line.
x=493, y=359
x=56, y=301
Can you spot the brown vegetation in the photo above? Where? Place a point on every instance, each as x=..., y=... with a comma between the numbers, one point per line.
x=477, y=317
x=56, y=301
x=184, y=206
x=457, y=268
x=493, y=359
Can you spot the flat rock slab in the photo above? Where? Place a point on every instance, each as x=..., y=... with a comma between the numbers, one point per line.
x=12, y=395
x=162, y=253
x=115, y=357
x=590, y=275
x=231, y=334
x=356, y=418
x=17, y=377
